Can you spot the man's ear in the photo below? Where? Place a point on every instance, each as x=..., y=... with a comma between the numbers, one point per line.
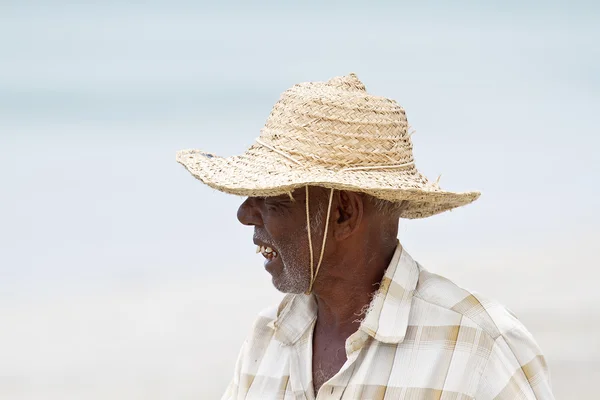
x=348, y=214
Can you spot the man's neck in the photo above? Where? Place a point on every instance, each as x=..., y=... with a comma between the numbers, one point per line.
x=343, y=298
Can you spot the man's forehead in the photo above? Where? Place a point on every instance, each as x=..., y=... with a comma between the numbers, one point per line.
x=300, y=193
x=295, y=194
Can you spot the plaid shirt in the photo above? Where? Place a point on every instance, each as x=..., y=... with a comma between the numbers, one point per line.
x=422, y=338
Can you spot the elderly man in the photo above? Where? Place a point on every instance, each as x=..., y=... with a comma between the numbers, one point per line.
x=326, y=183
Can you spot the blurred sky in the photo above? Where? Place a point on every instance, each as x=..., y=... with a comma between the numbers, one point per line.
x=114, y=262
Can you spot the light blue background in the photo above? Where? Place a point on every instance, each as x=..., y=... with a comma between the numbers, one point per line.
x=123, y=277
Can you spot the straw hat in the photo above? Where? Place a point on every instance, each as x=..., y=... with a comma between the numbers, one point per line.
x=335, y=135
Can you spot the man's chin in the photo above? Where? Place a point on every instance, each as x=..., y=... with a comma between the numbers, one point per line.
x=287, y=287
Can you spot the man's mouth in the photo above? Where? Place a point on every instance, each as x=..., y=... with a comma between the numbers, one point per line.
x=266, y=251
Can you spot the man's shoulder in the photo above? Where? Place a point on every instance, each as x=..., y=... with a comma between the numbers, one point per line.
x=267, y=316
x=486, y=314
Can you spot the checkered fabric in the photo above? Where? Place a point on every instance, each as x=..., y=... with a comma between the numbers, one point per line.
x=422, y=338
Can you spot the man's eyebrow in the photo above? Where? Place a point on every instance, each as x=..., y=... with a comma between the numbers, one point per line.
x=287, y=197
x=281, y=197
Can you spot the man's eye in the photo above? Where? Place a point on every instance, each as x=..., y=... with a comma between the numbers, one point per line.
x=270, y=204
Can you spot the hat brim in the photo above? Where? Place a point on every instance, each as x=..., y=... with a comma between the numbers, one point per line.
x=262, y=174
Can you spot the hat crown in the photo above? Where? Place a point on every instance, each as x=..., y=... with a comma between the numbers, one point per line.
x=348, y=82
x=331, y=134
x=337, y=124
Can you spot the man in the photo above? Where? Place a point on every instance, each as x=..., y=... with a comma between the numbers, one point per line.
x=327, y=181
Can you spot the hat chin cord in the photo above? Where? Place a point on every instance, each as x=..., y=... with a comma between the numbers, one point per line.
x=313, y=271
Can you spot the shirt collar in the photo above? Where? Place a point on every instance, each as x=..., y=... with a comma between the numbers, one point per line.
x=295, y=314
x=386, y=320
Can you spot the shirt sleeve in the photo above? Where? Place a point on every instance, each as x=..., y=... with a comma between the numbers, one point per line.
x=231, y=393
x=516, y=369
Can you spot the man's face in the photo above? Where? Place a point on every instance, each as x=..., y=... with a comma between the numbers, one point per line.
x=280, y=224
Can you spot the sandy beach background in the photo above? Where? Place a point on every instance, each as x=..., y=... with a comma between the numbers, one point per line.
x=123, y=278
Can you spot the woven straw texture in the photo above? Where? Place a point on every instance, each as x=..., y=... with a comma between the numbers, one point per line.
x=331, y=134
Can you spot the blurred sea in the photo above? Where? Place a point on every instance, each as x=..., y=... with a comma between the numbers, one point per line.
x=123, y=278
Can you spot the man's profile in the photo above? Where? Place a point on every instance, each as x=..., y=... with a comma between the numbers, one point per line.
x=326, y=182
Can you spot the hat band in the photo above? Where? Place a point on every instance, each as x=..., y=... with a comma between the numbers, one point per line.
x=359, y=168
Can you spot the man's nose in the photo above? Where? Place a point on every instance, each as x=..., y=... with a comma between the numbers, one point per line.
x=249, y=213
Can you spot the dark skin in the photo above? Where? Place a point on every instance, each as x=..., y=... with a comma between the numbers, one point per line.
x=361, y=241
